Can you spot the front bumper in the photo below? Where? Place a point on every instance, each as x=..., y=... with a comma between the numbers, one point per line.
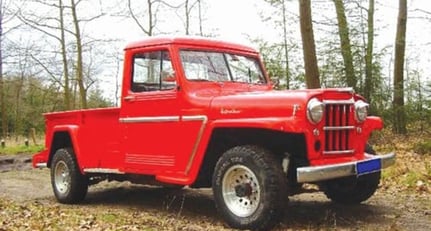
x=370, y=164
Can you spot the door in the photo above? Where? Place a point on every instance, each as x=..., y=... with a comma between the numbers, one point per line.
x=149, y=115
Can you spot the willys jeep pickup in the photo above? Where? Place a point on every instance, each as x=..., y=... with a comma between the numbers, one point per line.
x=200, y=113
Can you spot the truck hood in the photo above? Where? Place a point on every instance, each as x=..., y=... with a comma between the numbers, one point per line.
x=262, y=104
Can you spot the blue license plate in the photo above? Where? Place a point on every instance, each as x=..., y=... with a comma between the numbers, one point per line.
x=368, y=166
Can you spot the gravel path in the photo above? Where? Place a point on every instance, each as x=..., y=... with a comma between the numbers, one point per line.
x=386, y=210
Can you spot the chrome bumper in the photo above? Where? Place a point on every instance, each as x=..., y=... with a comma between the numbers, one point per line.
x=326, y=172
x=41, y=165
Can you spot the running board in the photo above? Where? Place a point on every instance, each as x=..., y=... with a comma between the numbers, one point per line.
x=103, y=170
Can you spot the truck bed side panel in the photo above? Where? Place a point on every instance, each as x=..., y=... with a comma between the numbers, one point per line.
x=97, y=136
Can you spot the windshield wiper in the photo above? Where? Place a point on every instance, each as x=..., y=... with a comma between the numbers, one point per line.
x=200, y=80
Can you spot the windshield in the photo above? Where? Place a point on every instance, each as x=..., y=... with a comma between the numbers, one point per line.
x=221, y=67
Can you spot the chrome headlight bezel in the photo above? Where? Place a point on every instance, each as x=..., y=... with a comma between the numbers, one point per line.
x=361, y=111
x=315, y=111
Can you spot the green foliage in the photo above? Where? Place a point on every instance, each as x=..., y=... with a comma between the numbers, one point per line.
x=28, y=97
x=423, y=147
x=96, y=99
x=275, y=64
x=26, y=100
x=411, y=178
x=428, y=169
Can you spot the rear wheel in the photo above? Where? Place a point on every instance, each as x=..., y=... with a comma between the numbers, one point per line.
x=249, y=188
x=353, y=190
x=68, y=184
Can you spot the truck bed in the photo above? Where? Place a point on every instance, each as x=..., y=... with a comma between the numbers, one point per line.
x=95, y=134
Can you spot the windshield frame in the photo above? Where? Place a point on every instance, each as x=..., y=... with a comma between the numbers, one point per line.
x=255, y=73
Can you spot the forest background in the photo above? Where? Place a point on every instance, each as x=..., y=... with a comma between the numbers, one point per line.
x=67, y=54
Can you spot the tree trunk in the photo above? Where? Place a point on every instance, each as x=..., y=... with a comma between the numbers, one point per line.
x=400, y=45
x=346, y=52
x=309, y=48
x=368, y=88
x=67, y=97
x=2, y=95
x=286, y=51
x=17, y=104
x=79, y=65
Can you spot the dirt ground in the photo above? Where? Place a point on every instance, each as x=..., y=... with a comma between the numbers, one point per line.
x=124, y=206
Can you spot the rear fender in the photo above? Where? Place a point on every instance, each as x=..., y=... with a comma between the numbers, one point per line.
x=59, y=133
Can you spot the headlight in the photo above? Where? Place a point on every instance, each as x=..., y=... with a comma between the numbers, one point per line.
x=315, y=110
x=361, y=109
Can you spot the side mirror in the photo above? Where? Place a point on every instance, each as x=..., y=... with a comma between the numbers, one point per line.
x=168, y=76
x=275, y=82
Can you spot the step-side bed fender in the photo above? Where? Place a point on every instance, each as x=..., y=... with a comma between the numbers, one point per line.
x=61, y=136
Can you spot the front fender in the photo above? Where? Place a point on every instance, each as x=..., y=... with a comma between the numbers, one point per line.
x=373, y=123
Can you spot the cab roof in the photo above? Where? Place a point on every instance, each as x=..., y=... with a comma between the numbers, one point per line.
x=188, y=40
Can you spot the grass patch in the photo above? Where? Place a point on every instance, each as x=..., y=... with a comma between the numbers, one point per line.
x=411, y=178
x=412, y=169
x=423, y=147
x=17, y=145
x=21, y=149
x=109, y=218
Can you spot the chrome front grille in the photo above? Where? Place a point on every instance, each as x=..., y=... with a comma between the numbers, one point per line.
x=339, y=119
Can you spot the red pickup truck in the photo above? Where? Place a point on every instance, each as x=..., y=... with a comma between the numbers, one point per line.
x=203, y=113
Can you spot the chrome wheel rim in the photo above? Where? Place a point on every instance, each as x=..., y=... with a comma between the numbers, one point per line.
x=241, y=190
x=62, y=177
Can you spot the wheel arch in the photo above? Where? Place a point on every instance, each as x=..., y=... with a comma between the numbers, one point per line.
x=225, y=138
x=63, y=137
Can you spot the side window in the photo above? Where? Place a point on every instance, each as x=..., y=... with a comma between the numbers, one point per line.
x=152, y=71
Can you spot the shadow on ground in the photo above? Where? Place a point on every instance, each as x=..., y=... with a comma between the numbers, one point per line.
x=306, y=211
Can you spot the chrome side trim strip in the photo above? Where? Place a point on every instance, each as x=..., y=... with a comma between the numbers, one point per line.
x=194, y=118
x=348, y=101
x=337, y=128
x=338, y=152
x=141, y=159
x=150, y=119
x=103, y=170
x=346, y=89
x=332, y=171
x=204, y=120
x=41, y=165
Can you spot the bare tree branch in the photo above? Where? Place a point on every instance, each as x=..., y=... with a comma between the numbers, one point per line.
x=50, y=73
x=422, y=11
x=37, y=27
x=132, y=14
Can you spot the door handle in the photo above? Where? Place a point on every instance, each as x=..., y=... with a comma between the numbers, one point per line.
x=129, y=98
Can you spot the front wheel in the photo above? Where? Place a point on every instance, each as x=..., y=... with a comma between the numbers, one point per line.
x=353, y=190
x=249, y=188
x=69, y=185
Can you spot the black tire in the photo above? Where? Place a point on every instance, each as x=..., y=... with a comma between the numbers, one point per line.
x=68, y=184
x=249, y=188
x=353, y=190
